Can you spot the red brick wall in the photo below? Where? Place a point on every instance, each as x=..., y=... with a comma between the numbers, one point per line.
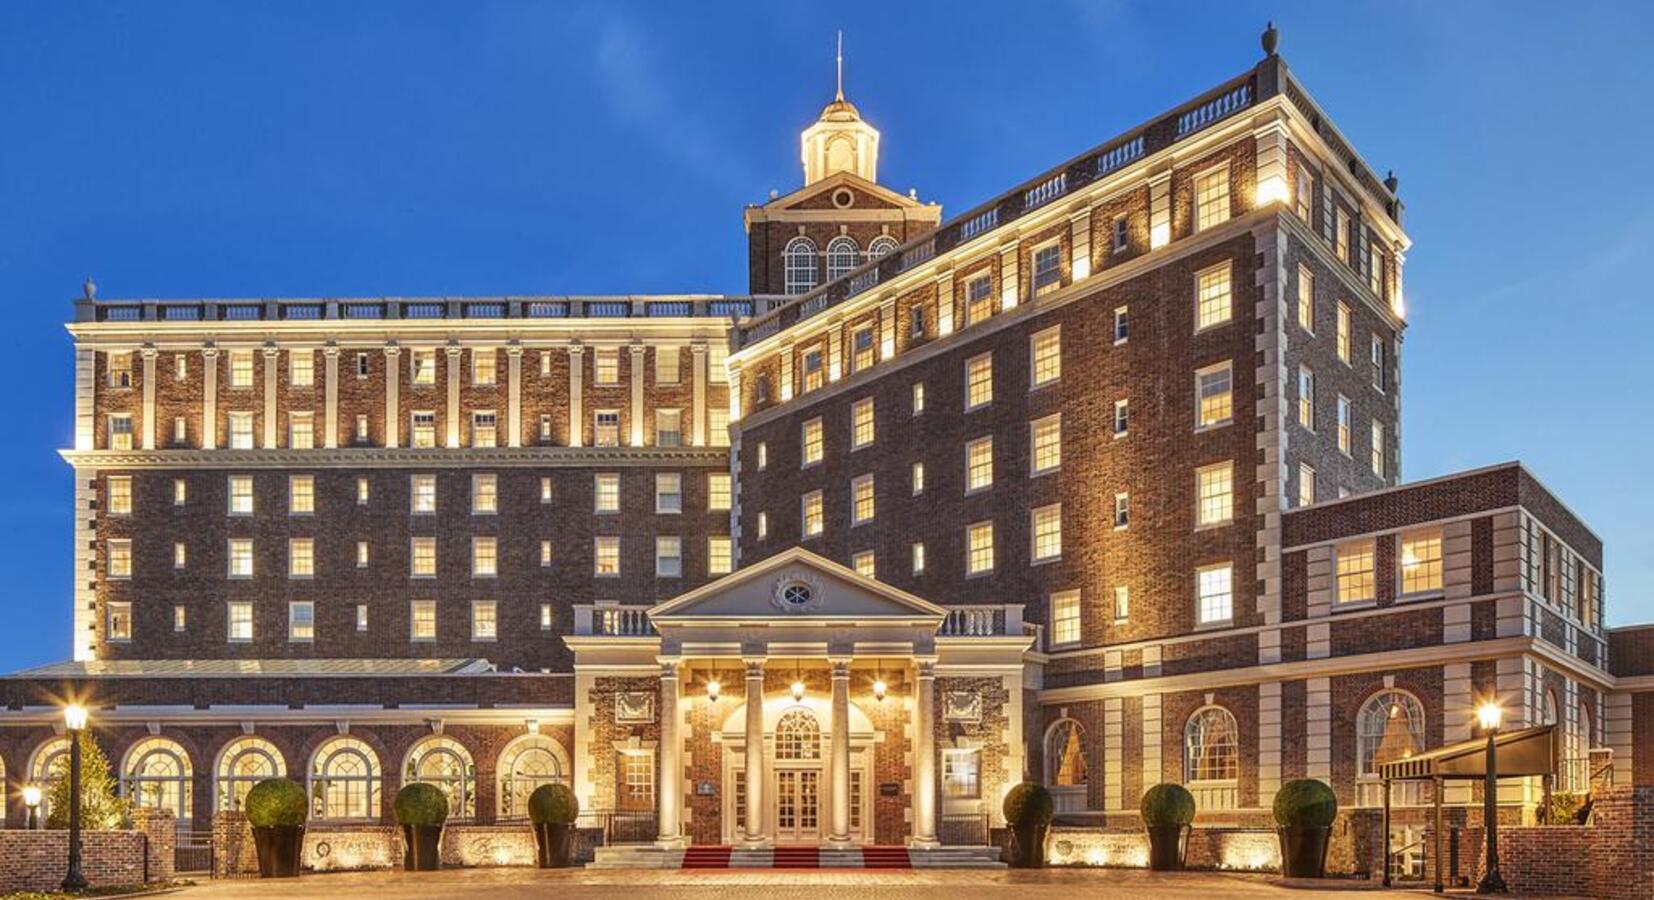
x=37, y=860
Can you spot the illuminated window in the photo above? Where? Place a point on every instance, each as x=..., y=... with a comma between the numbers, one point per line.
x=485, y=367
x=861, y=348
x=344, y=777
x=180, y=366
x=1045, y=439
x=979, y=302
x=1214, y=489
x=118, y=621
x=606, y=366
x=422, y=557
x=861, y=500
x=1306, y=484
x=545, y=617
x=864, y=564
x=810, y=441
x=763, y=455
x=180, y=431
x=423, y=429
x=1341, y=235
x=120, y=495
x=422, y=620
x=1213, y=300
x=301, y=368
x=1211, y=198
x=1344, y=424
x=979, y=548
x=119, y=562
x=301, y=430
x=718, y=491
x=800, y=264
x=239, y=621
x=720, y=554
x=668, y=492
x=918, y=550
x=180, y=555
x=1344, y=332
x=918, y=397
x=961, y=773
x=241, y=431
x=120, y=368
x=668, y=557
x=1065, y=618
x=1045, y=528
x=1211, y=746
x=669, y=428
x=422, y=494
x=810, y=514
x=606, y=427
x=1421, y=561
x=763, y=525
x=361, y=617
x=1378, y=354
x=180, y=492
x=361, y=554
x=362, y=436
x=1304, y=195
x=1378, y=448
x=241, y=369
x=979, y=464
x=485, y=623
x=668, y=365
x=485, y=494
x=180, y=618
x=1306, y=299
x=1214, y=396
x=485, y=557
x=606, y=556
x=240, y=558
x=1389, y=727
x=1355, y=566
x=1214, y=594
x=422, y=368
x=918, y=478
x=1045, y=350
x=484, y=428
x=301, y=621
x=606, y=492
x=301, y=558
x=1122, y=603
x=1306, y=397
x=861, y=423
x=545, y=554
x=979, y=381
x=1047, y=275
x=813, y=371
x=245, y=762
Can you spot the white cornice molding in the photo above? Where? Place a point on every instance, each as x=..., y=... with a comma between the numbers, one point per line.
x=549, y=332
x=282, y=715
x=400, y=457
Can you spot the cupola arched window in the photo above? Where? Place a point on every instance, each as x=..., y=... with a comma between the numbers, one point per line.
x=799, y=260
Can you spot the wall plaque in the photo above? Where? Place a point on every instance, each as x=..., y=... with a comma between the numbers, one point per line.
x=635, y=707
x=961, y=706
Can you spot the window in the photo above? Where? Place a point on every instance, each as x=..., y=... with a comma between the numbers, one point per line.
x=422, y=557
x=842, y=256
x=1213, y=303
x=1122, y=510
x=1065, y=618
x=1211, y=198
x=979, y=381
x=1389, y=727
x=1045, y=450
x=545, y=554
x=881, y=246
x=422, y=620
x=1214, y=396
x=180, y=555
x=301, y=621
x=424, y=430
x=1047, y=269
x=1421, y=561
x=1214, y=594
x=961, y=773
x=362, y=429
x=484, y=428
x=861, y=423
x=1378, y=352
x=861, y=348
x=545, y=617
x=800, y=265
x=718, y=492
x=545, y=429
x=485, y=494
x=239, y=621
x=241, y=369
x=979, y=302
x=1344, y=332
x=422, y=494
x=344, y=780
x=118, y=565
x=1306, y=299
x=810, y=441
x=120, y=369
x=606, y=366
x=720, y=555
x=606, y=560
x=362, y=365
x=668, y=428
x=180, y=492
x=240, y=558
x=301, y=368
x=120, y=495
x=606, y=492
x=301, y=495
x=918, y=478
x=979, y=548
x=763, y=525
x=1122, y=603
x=763, y=455
x=485, y=367
x=979, y=464
x=1306, y=397
x=1214, y=494
x=606, y=427
x=1045, y=528
x=1122, y=418
x=301, y=557
x=361, y=617
x=1122, y=325
x=545, y=489
x=1375, y=269
x=1341, y=235
x=916, y=321
x=241, y=430
x=1121, y=235
x=1211, y=746
x=180, y=430
x=120, y=432
x=668, y=492
x=1306, y=484
x=810, y=514
x=1344, y=424
x=180, y=366
x=1378, y=448
x=668, y=557
x=864, y=564
x=918, y=551
x=1065, y=764
x=180, y=618
x=1355, y=567
x=241, y=495
x=668, y=365
x=1045, y=352
x=812, y=369
x=361, y=554
x=485, y=557
x=422, y=368
x=861, y=500
x=1304, y=195
x=485, y=623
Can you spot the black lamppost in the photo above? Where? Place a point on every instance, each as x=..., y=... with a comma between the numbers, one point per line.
x=1491, y=883
x=74, y=716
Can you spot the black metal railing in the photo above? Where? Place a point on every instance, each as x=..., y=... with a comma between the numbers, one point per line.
x=621, y=826
x=964, y=829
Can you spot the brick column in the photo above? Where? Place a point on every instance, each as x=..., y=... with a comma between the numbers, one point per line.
x=161, y=831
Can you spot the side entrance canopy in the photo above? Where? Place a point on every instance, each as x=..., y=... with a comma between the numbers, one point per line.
x=1522, y=753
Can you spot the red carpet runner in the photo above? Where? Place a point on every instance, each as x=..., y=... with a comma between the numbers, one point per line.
x=706, y=858
x=718, y=857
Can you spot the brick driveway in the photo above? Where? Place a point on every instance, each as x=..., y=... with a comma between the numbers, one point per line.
x=953, y=884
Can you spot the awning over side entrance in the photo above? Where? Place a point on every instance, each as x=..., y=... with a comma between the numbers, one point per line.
x=1528, y=751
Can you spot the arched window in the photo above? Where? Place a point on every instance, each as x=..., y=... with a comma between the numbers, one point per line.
x=1389, y=727
x=446, y=763
x=1587, y=730
x=1211, y=746
x=1548, y=708
x=1065, y=756
x=157, y=774
x=344, y=780
x=798, y=735
x=800, y=262
x=48, y=763
x=245, y=761
x=881, y=246
x=525, y=764
x=842, y=256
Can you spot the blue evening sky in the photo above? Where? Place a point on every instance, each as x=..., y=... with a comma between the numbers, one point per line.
x=364, y=148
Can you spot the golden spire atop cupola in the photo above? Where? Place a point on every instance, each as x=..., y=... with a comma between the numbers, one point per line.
x=840, y=141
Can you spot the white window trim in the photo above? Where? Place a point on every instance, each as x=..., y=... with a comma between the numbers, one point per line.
x=1033, y=357
x=1229, y=366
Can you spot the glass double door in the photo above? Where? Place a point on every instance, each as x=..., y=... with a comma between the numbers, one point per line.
x=798, y=803
x=798, y=807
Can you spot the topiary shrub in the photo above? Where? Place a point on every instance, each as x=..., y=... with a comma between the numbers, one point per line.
x=1305, y=803
x=421, y=804
x=553, y=804
x=1167, y=804
x=1028, y=804
x=276, y=803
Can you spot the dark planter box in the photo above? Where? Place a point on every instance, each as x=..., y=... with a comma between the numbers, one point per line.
x=1166, y=846
x=1304, y=851
x=280, y=848
x=1026, y=847
x=552, y=841
x=421, y=848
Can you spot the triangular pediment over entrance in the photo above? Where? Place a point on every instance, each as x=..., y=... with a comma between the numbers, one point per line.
x=796, y=587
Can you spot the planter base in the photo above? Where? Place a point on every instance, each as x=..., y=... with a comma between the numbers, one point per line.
x=421, y=848
x=280, y=849
x=1166, y=846
x=552, y=845
x=1304, y=851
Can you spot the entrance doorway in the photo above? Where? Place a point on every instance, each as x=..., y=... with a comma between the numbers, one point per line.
x=798, y=804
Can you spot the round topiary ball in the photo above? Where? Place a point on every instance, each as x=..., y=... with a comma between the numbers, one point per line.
x=421, y=804
x=276, y=803
x=1028, y=804
x=553, y=804
x=1167, y=804
x=1305, y=803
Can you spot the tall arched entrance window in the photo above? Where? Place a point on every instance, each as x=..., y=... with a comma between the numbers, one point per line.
x=344, y=780
x=156, y=774
x=525, y=764
x=1066, y=774
x=244, y=762
x=1211, y=758
x=445, y=763
x=1389, y=726
x=797, y=776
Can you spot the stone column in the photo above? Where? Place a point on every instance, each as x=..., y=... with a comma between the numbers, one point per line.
x=149, y=398
x=271, y=354
x=924, y=756
x=577, y=372
x=638, y=351
x=514, y=394
x=209, y=398
x=755, y=775
x=838, y=758
x=670, y=795
x=452, y=436
x=330, y=388
x=393, y=405
x=697, y=410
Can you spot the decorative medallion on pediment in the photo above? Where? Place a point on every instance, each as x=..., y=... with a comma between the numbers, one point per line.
x=796, y=593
